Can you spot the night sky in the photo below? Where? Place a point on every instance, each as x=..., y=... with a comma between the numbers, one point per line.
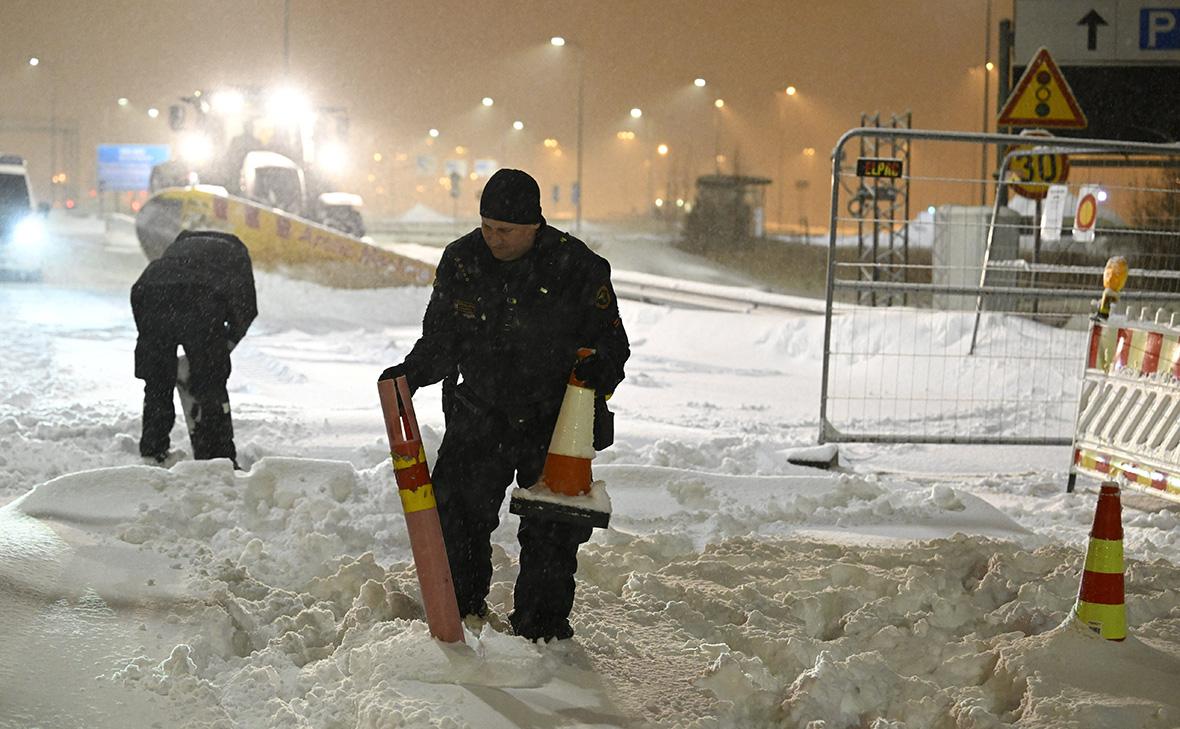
x=403, y=67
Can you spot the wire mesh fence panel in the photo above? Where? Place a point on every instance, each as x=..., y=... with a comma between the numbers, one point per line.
x=976, y=332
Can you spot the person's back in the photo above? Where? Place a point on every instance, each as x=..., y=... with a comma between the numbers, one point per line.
x=198, y=295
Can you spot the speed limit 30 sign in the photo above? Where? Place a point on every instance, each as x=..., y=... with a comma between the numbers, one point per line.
x=1030, y=173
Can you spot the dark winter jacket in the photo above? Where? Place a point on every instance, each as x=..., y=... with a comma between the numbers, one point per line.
x=512, y=329
x=217, y=262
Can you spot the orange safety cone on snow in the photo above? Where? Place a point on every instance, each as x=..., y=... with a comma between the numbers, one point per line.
x=565, y=491
x=1100, y=606
x=417, y=495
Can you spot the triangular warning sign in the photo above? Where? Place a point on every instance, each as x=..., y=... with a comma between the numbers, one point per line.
x=1042, y=98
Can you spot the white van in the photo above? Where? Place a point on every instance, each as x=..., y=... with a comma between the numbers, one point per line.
x=22, y=228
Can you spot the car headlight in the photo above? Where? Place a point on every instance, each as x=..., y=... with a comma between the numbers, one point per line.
x=29, y=232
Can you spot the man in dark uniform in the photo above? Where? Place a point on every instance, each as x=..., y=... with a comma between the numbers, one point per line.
x=199, y=295
x=512, y=303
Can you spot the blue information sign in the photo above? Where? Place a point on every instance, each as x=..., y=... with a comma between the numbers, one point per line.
x=1159, y=29
x=128, y=167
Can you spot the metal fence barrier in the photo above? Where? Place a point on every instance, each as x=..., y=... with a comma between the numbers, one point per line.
x=978, y=334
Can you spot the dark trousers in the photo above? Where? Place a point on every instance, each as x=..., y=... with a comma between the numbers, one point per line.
x=479, y=457
x=188, y=317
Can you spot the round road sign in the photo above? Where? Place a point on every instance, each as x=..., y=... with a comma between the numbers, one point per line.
x=1031, y=174
x=1086, y=213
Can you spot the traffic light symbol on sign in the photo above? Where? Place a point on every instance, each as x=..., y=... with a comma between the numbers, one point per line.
x=1042, y=98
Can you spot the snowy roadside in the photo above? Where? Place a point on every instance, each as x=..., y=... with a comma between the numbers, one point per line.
x=923, y=587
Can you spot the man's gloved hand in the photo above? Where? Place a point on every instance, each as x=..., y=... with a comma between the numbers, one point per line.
x=597, y=371
x=392, y=373
x=396, y=371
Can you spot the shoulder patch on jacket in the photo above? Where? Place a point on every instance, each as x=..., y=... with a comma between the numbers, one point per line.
x=602, y=299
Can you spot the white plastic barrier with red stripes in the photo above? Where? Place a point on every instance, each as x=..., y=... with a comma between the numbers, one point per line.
x=1128, y=424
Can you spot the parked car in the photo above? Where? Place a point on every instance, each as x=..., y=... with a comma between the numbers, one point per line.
x=22, y=223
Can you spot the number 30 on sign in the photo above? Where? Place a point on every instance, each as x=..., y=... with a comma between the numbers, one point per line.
x=1031, y=174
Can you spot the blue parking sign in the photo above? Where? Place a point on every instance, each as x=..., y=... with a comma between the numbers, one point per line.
x=1159, y=29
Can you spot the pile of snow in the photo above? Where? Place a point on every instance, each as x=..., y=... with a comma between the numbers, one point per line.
x=420, y=213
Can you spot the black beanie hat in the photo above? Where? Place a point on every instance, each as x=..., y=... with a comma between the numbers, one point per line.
x=511, y=196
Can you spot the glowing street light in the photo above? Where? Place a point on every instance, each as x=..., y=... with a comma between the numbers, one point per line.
x=433, y=133
x=153, y=112
x=791, y=91
x=518, y=125
x=560, y=42
x=662, y=150
x=719, y=103
x=636, y=113
x=488, y=101
x=123, y=101
x=699, y=83
x=34, y=61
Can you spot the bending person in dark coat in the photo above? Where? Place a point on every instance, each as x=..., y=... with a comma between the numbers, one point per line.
x=512, y=303
x=198, y=295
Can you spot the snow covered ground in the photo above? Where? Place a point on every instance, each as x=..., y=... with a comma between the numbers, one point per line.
x=918, y=586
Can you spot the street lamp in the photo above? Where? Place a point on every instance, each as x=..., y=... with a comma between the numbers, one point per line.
x=34, y=61
x=791, y=93
x=560, y=42
x=718, y=105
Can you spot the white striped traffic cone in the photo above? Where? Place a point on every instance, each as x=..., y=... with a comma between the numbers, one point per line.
x=567, y=467
x=567, y=475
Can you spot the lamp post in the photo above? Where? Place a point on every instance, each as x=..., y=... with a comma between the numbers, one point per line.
x=789, y=93
x=35, y=62
x=718, y=105
x=560, y=42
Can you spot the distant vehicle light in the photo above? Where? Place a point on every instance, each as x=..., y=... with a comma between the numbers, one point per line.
x=196, y=148
x=333, y=158
x=228, y=101
x=29, y=232
x=287, y=106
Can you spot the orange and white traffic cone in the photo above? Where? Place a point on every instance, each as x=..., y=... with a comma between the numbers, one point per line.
x=1101, y=607
x=565, y=491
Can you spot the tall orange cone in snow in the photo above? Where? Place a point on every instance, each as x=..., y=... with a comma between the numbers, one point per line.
x=564, y=492
x=1101, y=606
x=417, y=495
